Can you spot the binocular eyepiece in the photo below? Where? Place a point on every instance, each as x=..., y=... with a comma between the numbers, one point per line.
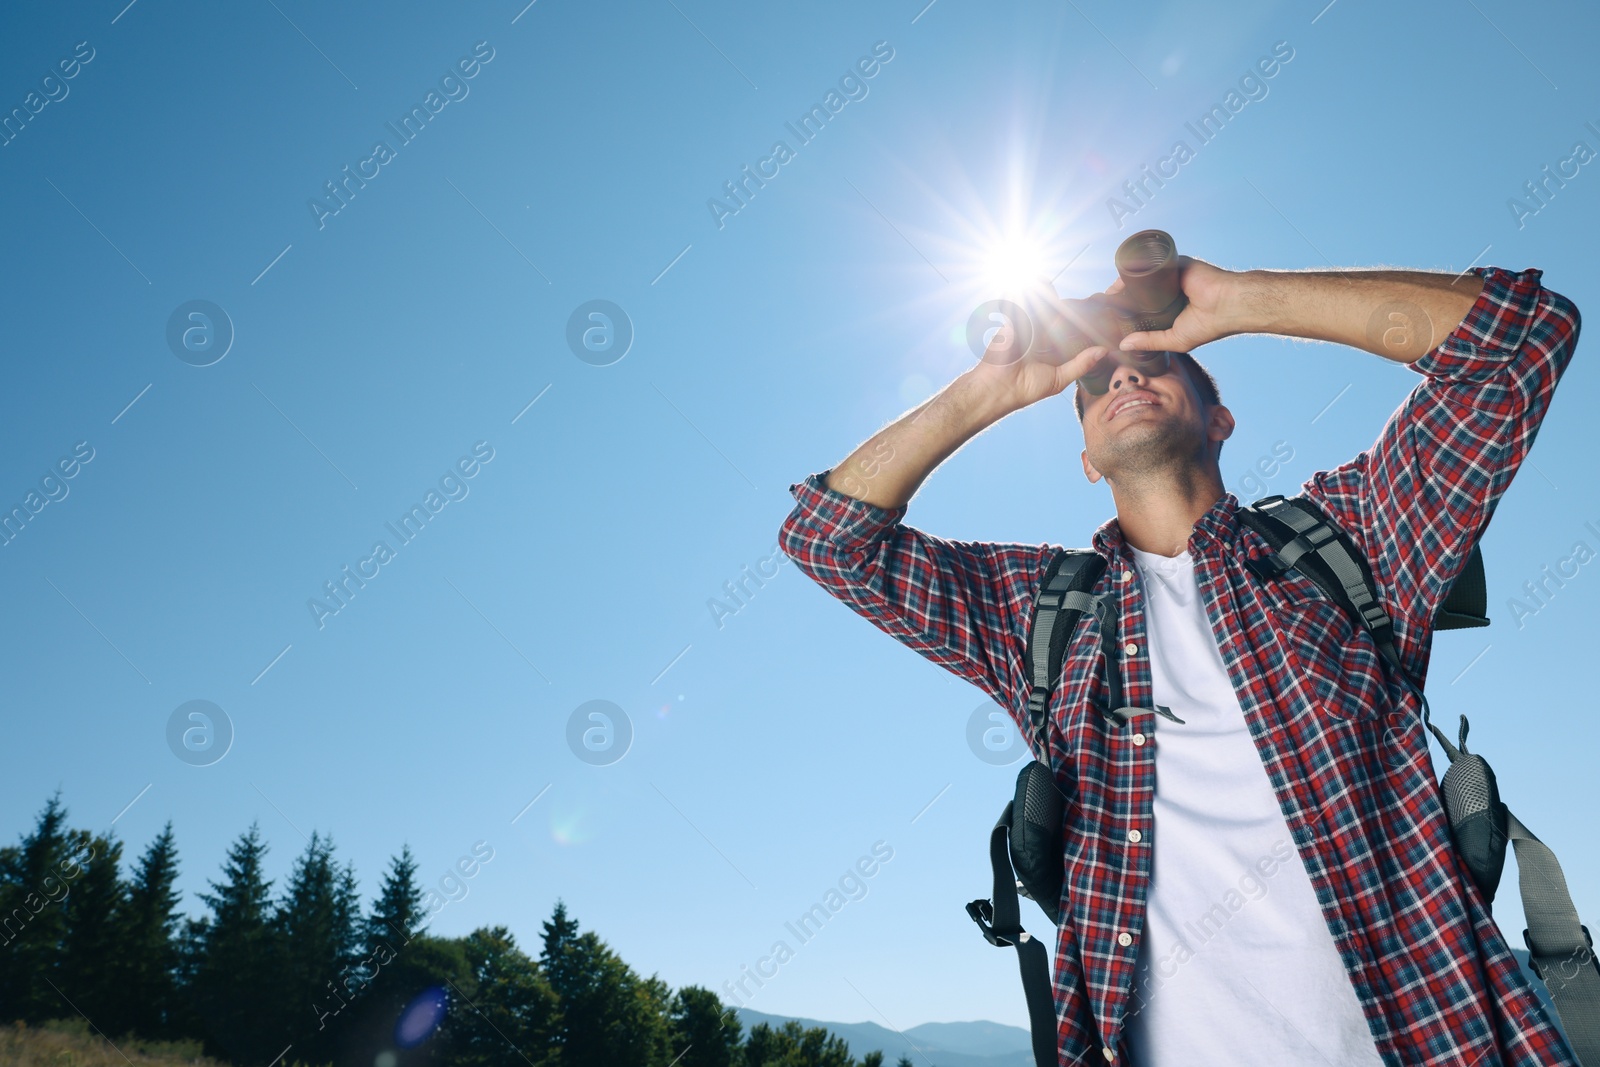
x=1151, y=299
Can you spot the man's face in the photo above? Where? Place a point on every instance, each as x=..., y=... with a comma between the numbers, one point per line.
x=1145, y=424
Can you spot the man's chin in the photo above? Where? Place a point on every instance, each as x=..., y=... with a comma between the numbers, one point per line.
x=1143, y=446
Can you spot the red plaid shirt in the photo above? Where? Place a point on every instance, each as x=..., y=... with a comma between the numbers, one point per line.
x=1343, y=744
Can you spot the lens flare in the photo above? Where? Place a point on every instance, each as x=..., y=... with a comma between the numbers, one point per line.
x=568, y=828
x=421, y=1017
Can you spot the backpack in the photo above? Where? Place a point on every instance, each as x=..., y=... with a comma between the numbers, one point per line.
x=1027, y=838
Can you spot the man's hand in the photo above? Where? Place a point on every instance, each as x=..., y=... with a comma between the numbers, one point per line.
x=891, y=465
x=1009, y=382
x=1027, y=381
x=1214, y=310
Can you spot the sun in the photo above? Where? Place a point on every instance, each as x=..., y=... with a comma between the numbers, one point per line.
x=1010, y=264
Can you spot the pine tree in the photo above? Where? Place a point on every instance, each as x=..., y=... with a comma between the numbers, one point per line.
x=238, y=959
x=559, y=935
x=397, y=913
x=36, y=876
x=704, y=1034
x=349, y=942
x=94, y=940
x=149, y=972
x=317, y=932
x=609, y=1015
x=347, y=914
x=382, y=973
x=904, y=1061
x=190, y=945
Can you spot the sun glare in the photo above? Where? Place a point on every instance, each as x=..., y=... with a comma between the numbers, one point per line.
x=1011, y=264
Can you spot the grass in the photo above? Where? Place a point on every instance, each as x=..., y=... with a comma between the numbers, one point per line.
x=70, y=1043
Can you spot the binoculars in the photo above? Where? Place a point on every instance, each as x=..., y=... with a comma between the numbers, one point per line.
x=1150, y=299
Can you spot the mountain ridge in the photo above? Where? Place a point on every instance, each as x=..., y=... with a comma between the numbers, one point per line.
x=979, y=1043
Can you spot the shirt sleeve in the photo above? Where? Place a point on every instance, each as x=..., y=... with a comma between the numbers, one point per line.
x=1421, y=496
x=965, y=605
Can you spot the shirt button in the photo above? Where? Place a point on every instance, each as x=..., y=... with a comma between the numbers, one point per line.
x=1130, y=648
x=1108, y=1053
x=1124, y=940
x=1127, y=576
x=1138, y=739
x=1135, y=836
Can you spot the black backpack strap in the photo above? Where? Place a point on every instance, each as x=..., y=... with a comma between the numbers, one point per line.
x=1064, y=597
x=1305, y=539
x=1001, y=923
x=1311, y=531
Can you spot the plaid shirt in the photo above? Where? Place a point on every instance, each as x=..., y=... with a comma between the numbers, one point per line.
x=1343, y=743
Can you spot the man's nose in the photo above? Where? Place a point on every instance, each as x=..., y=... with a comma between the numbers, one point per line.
x=1127, y=376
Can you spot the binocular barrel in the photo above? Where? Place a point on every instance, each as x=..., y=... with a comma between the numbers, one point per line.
x=1147, y=262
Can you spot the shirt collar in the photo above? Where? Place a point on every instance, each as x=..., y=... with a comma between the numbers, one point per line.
x=1216, y=525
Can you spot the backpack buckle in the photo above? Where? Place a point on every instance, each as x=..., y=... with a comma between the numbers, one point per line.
x=1122, y=716
x=1118, y=717
x=982, y=913
x=1268, y=568
x=1539, y=962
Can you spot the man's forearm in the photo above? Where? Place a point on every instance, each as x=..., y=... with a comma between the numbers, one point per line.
x=1400, y=315
x=892, y=464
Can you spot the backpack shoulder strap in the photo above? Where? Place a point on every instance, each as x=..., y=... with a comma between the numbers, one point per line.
x=1300, y=532
x=1305, y=539
x=1560, y=948
x=1063, y=599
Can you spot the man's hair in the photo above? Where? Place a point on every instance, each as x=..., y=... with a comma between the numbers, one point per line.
x=1203, y=382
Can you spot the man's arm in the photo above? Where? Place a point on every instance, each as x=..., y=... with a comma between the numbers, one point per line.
x=965, y=605
x=889, y=467
x=1398, y=314
x=1423, y=494
x=1491, y=346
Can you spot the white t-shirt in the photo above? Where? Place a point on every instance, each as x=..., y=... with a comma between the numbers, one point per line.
x=1236, y=966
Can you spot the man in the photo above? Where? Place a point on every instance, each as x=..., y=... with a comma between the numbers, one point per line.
x=1270, y=881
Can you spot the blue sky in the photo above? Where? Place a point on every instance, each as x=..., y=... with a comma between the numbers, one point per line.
x=375, y=347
